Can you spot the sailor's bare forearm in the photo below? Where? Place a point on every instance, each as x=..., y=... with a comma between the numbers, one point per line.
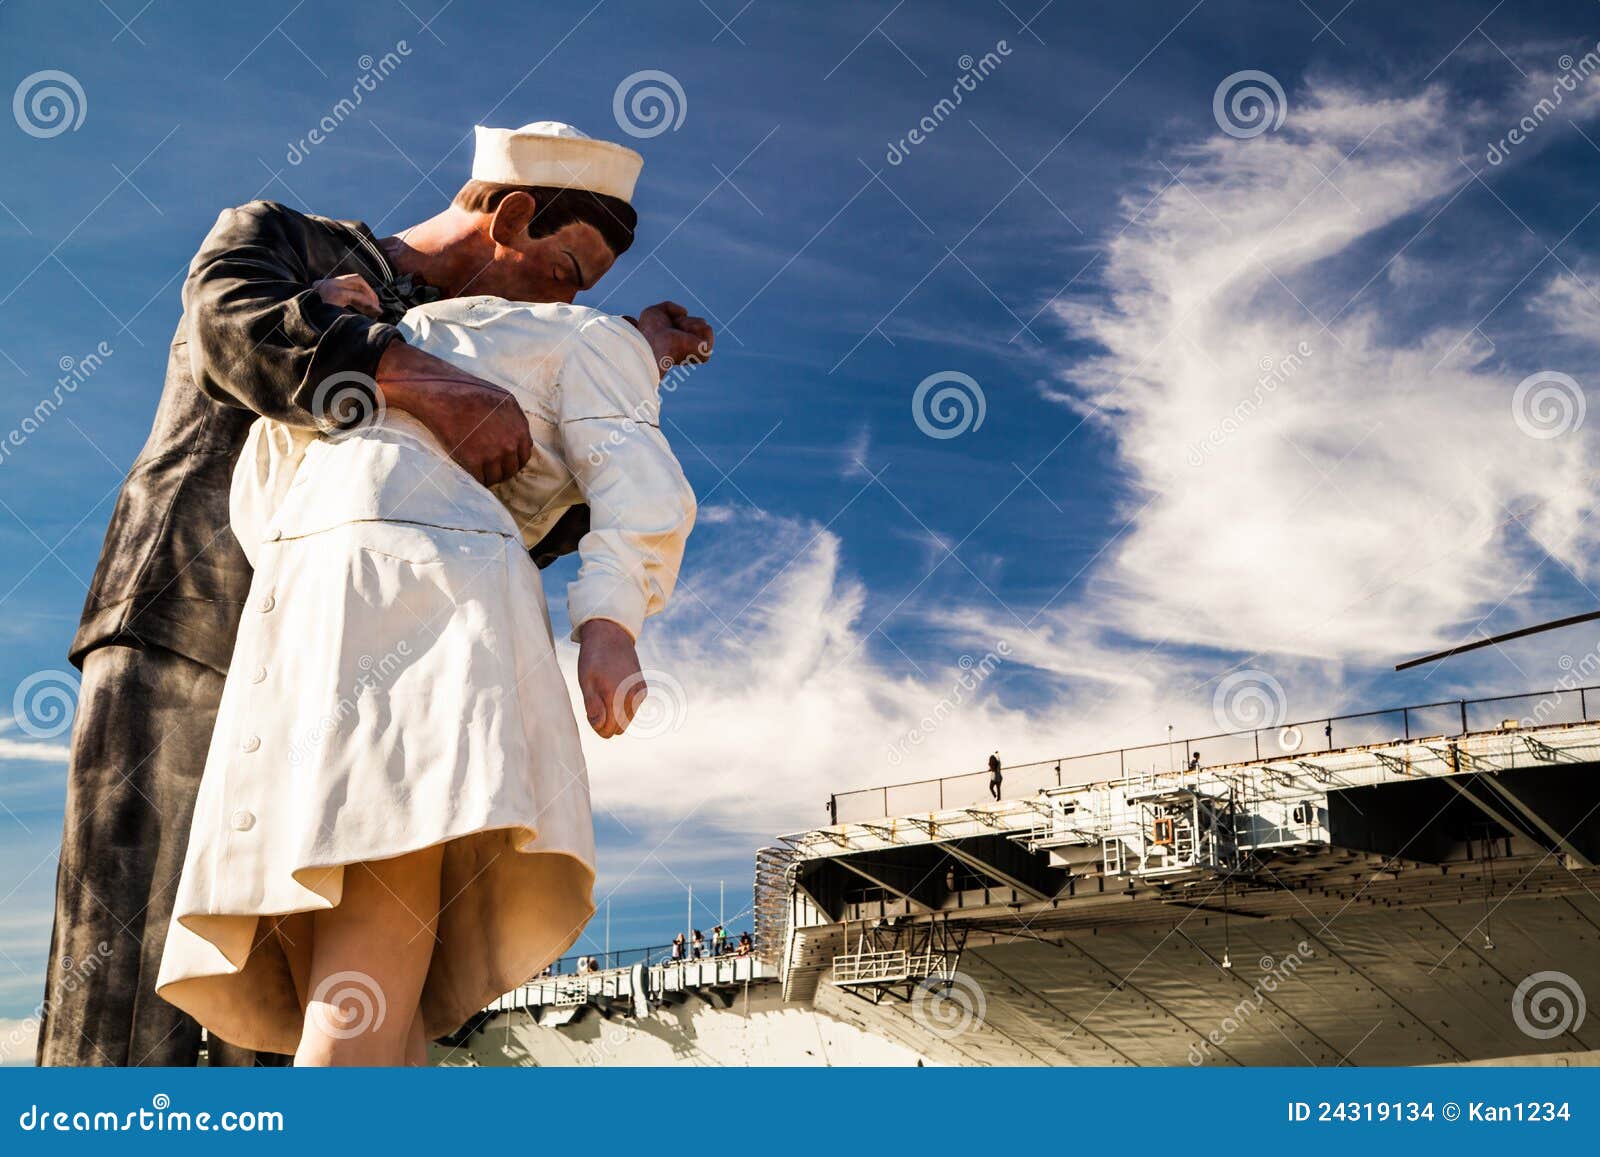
x=479, y=423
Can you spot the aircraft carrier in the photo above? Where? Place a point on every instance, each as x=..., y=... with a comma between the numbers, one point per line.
x=1404, y=887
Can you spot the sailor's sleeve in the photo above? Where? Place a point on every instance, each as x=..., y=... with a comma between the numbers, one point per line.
x=641, y=508
x=262, y=339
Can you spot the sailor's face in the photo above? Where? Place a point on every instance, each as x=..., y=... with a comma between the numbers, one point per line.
x=555, y=267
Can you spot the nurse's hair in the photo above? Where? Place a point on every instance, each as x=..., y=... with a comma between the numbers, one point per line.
x=556, y=208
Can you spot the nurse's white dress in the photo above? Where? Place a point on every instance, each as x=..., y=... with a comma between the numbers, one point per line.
x=394, y=683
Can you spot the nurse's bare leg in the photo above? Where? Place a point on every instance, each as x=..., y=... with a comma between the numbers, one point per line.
x=369, y=959
x=417, y=1043
x=293, y=935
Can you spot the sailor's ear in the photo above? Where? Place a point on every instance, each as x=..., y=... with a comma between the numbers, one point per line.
x=512, y=216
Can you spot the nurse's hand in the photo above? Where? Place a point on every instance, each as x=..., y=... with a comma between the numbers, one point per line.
x=609, y=676
x=349, y=291
x=675, y=338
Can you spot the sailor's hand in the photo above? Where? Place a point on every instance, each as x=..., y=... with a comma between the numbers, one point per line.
x=676, y=338
x=481, y=425
x=609, y=676
x=350, y=291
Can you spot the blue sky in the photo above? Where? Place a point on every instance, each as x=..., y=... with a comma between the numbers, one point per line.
x=1253, y=402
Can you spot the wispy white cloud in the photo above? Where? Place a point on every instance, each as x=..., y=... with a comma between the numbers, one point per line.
x=17, y=1041
x=33, y=751
x=853, y=458
x=1305, y=478
x=29, y=750
x=775, y=699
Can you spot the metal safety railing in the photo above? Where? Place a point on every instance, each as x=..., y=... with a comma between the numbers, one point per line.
x=886, y=967
x=871, y=967
x=582, y=963
x=1446, y=718
x=579, y=963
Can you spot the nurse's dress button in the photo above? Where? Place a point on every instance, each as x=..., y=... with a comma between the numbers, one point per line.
x=243, y=821
x=267, y=603
x=258, y=675
x=274, y=535
x=250, y=743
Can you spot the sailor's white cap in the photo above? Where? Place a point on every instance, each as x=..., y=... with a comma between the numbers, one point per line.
x=555, y=154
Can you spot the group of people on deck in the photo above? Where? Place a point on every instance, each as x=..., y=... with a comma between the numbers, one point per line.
x=694, y=947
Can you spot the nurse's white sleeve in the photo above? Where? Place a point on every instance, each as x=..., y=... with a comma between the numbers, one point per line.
x=641, y=508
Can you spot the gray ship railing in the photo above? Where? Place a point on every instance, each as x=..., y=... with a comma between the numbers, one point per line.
x=1445, y=718
x=628, y=957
